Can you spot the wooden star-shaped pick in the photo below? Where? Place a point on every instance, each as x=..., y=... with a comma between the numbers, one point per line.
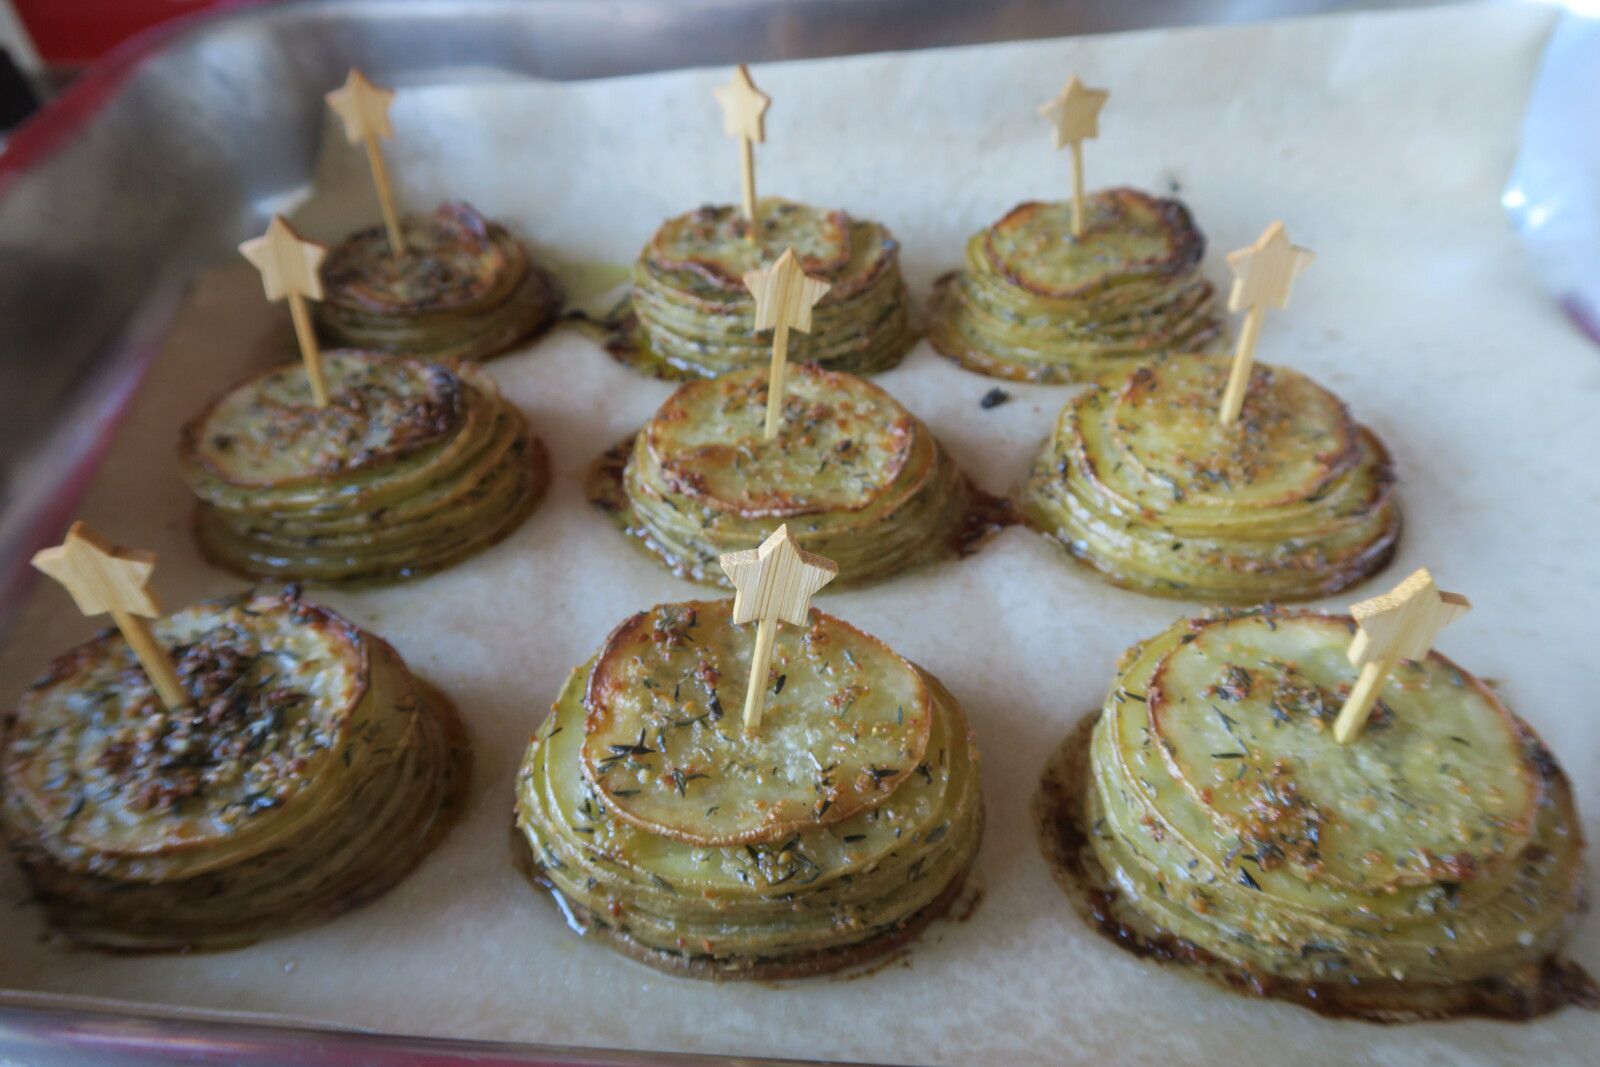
x=1264, y=272
x=784, y=294
x=1074, y=113
x=289, y=264
x=1400, y=624
x=744, y=107
x=100, y=576
x=363, y=107
x=777, y=580
x=1404, y=622
x=773, y=584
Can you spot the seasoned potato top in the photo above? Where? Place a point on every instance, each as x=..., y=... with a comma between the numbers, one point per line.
x=843, y=441
x=846, y=722
x=269, y=431
x=1128, y=235
x=719, y=244
x=1292, y=438
x=454, y=258
x=1437, y=788
x=94, y=751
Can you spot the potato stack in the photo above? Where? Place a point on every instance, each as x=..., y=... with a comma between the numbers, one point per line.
x=1035, y=304
x=857, y=477
x=1141, y=481
x=465, y=289
x=835, y=832
x=411, y=467
x=309, y=773
x=1432, y=865
x=692, y=316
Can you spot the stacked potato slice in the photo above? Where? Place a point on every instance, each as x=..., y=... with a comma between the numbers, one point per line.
x=464, y=290
x=1036, y=304
x=1142, y=481
x=411, y=467
x=858, y=478
x=693, y=317
x=839, y=830
x=1405, y=873
x=309, y=774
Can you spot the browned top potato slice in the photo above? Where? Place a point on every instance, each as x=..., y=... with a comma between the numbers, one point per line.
x=94, y=752
x=1128, y=236
x=720, y=245
x=269, y=432
x=1438, y=786
x=1292, y=440
x=454, y=259
x=845, y=441
x=846, y=722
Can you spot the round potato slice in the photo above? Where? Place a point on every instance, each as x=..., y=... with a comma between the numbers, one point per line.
x=294, y=673
x=721, y=245
x=452, y=261
x=269, y=432
x=1292, y=438
x=1127, y=235
x=846, y=722
x=1437, y=787
x=845, y=441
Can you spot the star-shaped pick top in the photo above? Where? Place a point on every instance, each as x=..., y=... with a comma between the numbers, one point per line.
x=1403, y=622
x=289, y=264
x=744, y=107
x=363, y=107
x=1074, y=113
x=100, y=576
x=1264, y=272
x=776, y=581
x=784, y=294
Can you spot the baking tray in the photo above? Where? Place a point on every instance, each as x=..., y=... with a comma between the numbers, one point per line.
x=79, y=1034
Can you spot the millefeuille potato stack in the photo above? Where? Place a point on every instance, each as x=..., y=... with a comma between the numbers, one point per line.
x=692, y=316
x=858, y=478
x=1033, y=303
x=1429, y=868
x=464, y=289
x=836, y=832
x=1141, y=481
x=411, y=467
x=309, y=773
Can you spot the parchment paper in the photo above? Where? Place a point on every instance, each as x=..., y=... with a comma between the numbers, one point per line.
x=1381, y=139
